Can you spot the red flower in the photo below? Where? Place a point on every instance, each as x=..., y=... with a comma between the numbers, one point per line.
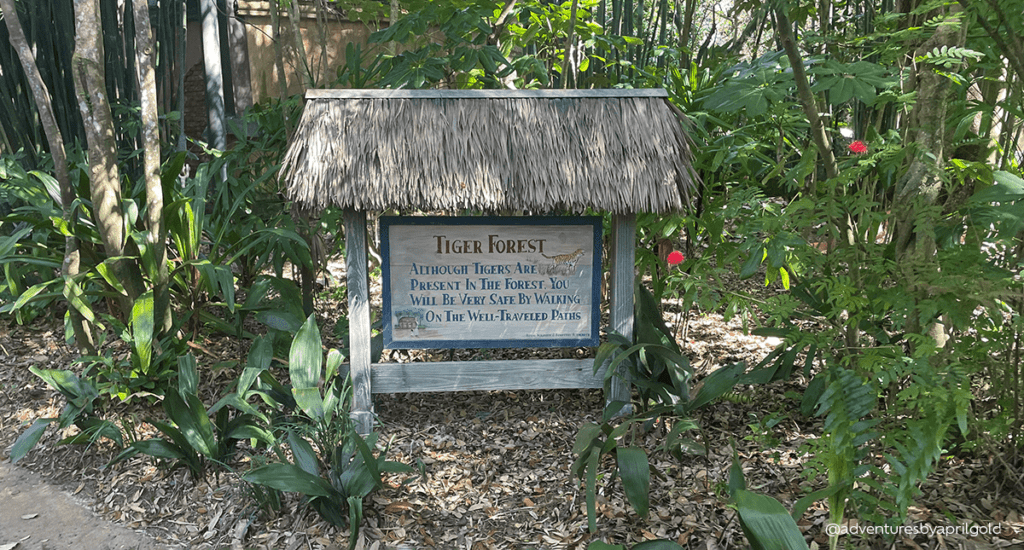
x=675, y=258
x=858, y=147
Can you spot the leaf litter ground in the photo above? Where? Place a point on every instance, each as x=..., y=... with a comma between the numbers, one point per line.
x=496, y=464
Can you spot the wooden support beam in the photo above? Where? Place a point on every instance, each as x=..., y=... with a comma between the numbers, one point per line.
x=622, y=261
x=359, y=318
x=538, y=374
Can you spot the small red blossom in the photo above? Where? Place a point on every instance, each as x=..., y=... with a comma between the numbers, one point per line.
x=675, y=258
x=858, y=147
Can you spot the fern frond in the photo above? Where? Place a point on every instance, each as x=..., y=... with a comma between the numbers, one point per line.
x=950, y=56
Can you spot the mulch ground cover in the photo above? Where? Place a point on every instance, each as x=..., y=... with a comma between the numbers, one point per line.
x=497, y=466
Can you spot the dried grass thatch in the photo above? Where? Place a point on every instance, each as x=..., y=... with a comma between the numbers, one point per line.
x=622, y=151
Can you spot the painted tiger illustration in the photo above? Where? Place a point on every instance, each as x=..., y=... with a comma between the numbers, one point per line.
x=564, y=262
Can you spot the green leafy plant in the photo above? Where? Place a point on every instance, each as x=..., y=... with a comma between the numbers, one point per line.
x=345, y=470
x=30, y=246
x=81, y=395
x=764, y=520
x=152, y=362
x=191, y=439
x=335, y=485
x=661, y=375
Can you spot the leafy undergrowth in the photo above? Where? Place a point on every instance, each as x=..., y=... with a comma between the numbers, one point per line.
x=497, y=467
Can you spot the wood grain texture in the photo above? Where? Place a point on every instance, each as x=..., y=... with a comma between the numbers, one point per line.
x=623, y=255
x=359, y=318
x=484, y=375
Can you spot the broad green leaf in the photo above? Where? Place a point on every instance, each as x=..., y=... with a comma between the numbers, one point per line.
x=358, y=480
x=334, y=360
x=736, y=480
x=49, y=182
x=249, y=431
x=106, y=270
x=588, y=433
x=237, y=402
x=175, y=436
x=74, y=295
x=753, y=263
x=170, y=171
x=306, y=356
x=273, y=392
x=784, y=276
x=612, y=409
x=766, y=523
x=675, y=441
x=190, y=416
x=1007, y=187
x=801, y=505
x=29, y=438
x=308, y=399
x=33, y=292
x=331, y=401
x=219, y=280
x=366, y=475
x=355, y=517
x=305, y=457
x=93, y=429
x=635, y=471
x=158, y=448
x=79, y=393
x=260, y=355
x=8, y=243
x=717, y=384
x=188, y=375
x=392, y=467
x=812, y=394
x=291, y=478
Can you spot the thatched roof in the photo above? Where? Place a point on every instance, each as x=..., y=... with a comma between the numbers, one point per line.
x=622, y=151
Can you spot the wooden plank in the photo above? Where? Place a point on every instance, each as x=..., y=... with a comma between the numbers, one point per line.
x=621, y=315
x=537, y=374
x=483, y=282
x=359, y=318
x=483, y=94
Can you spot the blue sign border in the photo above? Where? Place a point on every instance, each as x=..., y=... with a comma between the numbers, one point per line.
x=386, y=222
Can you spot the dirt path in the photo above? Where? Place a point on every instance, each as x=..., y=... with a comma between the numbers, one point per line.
x=35, y=515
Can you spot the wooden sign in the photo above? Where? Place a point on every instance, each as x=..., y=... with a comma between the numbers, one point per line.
x=484, y=282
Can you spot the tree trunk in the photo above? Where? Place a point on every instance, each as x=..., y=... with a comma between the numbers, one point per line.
x=302, y=60
x=568, y=65
x=104, y=178
x=917, y=193
x=919, y=189
x=275, y=23
x=41, y=95
x=182, y=33
x=686, y=32
x=214, y=75
x=156, y=235
x=803, y=87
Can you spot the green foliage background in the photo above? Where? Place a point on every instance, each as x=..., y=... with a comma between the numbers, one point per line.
x=900, y=266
